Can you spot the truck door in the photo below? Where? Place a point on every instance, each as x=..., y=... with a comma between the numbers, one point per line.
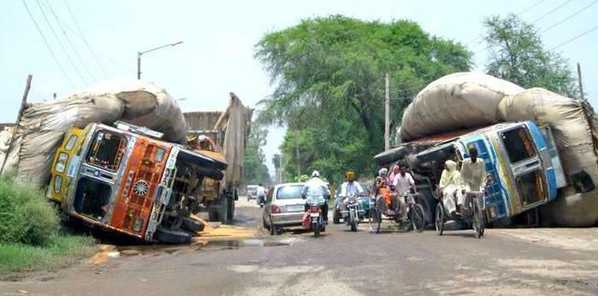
x=525, y=163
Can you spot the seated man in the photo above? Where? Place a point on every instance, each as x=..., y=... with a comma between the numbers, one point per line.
x=382, y=188
x=449, y=185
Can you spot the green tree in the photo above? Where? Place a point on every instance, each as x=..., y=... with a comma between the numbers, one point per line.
x=516, y=54
x=329, y=87
x=254, y=169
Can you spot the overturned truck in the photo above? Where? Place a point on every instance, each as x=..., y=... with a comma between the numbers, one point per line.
x=115, y=157
x=539, y=148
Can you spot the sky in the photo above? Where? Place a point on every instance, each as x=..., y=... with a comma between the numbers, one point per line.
x=100, y=41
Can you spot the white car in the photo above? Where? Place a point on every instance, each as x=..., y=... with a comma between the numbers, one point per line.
x=284, y=207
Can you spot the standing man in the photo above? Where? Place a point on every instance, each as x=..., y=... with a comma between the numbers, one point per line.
x=474, y=175
x=403, y=183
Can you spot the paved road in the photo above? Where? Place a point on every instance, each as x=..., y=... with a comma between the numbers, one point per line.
x=503, y=262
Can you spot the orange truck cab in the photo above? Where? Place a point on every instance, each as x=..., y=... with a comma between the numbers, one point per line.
x=125, y=179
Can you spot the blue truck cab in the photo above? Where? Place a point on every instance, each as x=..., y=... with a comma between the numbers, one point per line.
x=521, y=160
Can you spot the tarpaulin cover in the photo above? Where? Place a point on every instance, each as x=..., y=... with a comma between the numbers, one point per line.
x=465, y=100
x=43, y=125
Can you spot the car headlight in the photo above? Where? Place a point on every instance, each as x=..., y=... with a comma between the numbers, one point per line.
x=57, y=184
x=61, y=163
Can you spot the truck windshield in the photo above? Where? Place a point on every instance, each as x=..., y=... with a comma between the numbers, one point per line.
x=518, y=145
x=107, y=150
x=290, y=192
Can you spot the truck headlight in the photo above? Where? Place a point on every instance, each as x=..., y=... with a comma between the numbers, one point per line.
x=61, y=163
x=57, y=184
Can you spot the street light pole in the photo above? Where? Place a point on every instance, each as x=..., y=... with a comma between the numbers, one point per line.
x=139, y=54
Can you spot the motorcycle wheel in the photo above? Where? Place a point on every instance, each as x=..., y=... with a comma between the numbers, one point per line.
x=316, y=229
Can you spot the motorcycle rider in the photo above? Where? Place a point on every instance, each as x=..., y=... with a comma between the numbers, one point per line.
x=349, y=188
x=261, y=194
x=316, y=190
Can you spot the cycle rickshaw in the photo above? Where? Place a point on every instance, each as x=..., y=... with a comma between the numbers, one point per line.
x=472, y=211
x=379, y=213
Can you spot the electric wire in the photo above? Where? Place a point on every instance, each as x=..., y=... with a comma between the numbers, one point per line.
x=60, y=43
x=569, y=17
x=574, y=38
x=69, y=41
x=47, y=44
x=84, y=39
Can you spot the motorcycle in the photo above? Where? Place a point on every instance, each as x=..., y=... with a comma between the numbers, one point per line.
x=313, y=219
x=353, y=214
x=262, y=201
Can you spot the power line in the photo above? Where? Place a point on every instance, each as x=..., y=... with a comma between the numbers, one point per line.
x=569, y=17
x=574, y=38
x=551, y=11
x=518, y=14
x=48, y=45
x=69, y=40
x=60, y=43
x=84, y=39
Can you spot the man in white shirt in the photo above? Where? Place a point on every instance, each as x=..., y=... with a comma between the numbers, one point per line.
x=403, y=183
x=474, y=175
x=261, y=194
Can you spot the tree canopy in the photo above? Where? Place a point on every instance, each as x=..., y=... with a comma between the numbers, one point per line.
x=329, y=74
x=516, y=54
x=254, y=169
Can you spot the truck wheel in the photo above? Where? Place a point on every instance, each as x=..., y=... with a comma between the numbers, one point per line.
x=231, y=213
x=213, y=215
x=224, y=210
x=172, y=236
x=192, y=225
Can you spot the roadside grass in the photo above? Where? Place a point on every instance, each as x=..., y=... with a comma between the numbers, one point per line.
x=62, y=250
x=31, y=235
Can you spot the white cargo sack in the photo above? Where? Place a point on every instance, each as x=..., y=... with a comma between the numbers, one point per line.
x=43, y=125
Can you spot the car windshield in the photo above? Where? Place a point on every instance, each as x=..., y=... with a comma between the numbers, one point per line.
x=289, y=192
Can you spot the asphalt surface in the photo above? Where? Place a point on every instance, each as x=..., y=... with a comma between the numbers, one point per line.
x=340, y=262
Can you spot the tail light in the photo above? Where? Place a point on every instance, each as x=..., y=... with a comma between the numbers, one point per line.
x=314, y=209
x=275, y=209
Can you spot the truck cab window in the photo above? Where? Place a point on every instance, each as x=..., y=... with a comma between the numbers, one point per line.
x=518, y=145
x=107, y=150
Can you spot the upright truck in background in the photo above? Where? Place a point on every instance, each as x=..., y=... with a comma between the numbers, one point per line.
x=228, y=132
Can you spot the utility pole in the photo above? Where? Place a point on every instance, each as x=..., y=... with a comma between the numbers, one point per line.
x=139, y=54
x=580, y=81
x=299, y=171
x=387, y=142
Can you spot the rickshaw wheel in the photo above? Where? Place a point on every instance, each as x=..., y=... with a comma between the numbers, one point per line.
x=417, y=217
x=374, y=221
x=439, y=219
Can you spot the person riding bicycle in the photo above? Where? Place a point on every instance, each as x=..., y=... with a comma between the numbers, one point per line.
x=316, y=190
x=404, y=184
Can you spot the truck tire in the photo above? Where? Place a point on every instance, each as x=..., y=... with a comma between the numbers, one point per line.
x=213, y=215
x=427, y=201
x=231, y=212
x=192, y=225
x=172, y=236
x=224, y=209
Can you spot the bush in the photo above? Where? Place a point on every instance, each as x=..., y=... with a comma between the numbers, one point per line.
x=26, y=216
